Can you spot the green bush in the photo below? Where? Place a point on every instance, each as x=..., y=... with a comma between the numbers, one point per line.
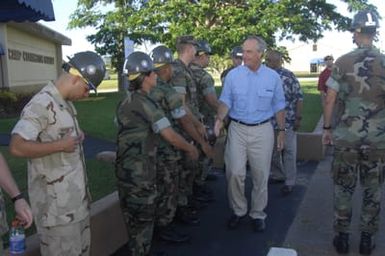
x=12, y=103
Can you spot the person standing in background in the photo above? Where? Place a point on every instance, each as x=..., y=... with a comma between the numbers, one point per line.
x=323, y=77
x=284, y=162
x=236, y=59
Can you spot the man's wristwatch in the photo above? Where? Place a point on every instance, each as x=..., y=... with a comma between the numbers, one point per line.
x=281, y=129
x=17, y=197
x=327, y=127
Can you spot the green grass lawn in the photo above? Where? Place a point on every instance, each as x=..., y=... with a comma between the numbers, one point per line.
x=96, y=115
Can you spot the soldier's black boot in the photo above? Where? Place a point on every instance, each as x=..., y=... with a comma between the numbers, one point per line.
x=367, y=243
x=170, y=234
x=341, y=243
x=184, y=215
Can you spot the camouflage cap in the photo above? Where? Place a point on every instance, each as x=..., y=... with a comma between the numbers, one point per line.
x=186, y=40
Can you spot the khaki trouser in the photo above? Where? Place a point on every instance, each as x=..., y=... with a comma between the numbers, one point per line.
x=255, y=144
x=284, y=163
x=66, y=240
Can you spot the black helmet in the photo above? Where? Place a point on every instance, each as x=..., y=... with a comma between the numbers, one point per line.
x=90, y=66
x=237, y=52
x=137, y=63
x=161, y=55
x=365, y=21
x=203, y=48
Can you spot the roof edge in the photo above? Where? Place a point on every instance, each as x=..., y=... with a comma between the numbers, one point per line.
x=41, y=30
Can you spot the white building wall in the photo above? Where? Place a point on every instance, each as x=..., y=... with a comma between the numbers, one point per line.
x=301, y=53
x=32, y=60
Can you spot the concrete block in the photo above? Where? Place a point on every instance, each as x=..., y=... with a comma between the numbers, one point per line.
x=309, y=146
x=108, y=230
x=275, y=251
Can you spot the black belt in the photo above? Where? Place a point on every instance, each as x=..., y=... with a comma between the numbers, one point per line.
x=256, y=124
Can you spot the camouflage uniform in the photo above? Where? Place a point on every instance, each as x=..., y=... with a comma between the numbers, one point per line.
x=57, y=183
x=225, y=72
x=184, y=84
x=3, y=221
x=139, y=120
x=358, y=77
x=167, y=164
x=284, y=163
x=205, y=85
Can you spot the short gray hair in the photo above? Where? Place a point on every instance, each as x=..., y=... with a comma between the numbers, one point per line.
x=261, y=43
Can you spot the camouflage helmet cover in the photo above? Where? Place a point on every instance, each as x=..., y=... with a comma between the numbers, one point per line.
x=161, y=55
x=90, y=66
x=137, y=63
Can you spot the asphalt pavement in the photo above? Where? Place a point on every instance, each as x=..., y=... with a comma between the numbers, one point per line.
x=212, y=238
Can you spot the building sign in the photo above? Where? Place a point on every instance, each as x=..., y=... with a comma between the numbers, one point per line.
x=29, y=57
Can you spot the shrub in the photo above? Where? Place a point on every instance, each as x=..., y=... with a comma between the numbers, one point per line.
x=12, y=103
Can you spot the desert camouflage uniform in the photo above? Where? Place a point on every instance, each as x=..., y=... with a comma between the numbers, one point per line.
x=183, y=83
x=359, y=79
x=167, y=164
x=139, y=122
x=284, y=163
x=205, y=85
x=57, y=183
x=3, y=221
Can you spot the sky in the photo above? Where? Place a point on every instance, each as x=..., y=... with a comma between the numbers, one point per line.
x=63, y=9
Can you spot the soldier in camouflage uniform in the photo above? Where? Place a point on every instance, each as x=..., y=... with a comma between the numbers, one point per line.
x=184, y=84
x=48, y=134
x=208, y=104
x=167, y=162
x=284, y=162
x=236, y=58
x=22, y=209
x=140, y=121
x=357, y=86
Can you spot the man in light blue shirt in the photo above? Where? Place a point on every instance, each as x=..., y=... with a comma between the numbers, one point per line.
x=251, y=96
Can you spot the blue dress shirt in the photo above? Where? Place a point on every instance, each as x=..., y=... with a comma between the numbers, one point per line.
x=253, y=97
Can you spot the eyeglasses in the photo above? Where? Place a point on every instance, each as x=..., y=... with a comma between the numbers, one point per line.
x=329, y=59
